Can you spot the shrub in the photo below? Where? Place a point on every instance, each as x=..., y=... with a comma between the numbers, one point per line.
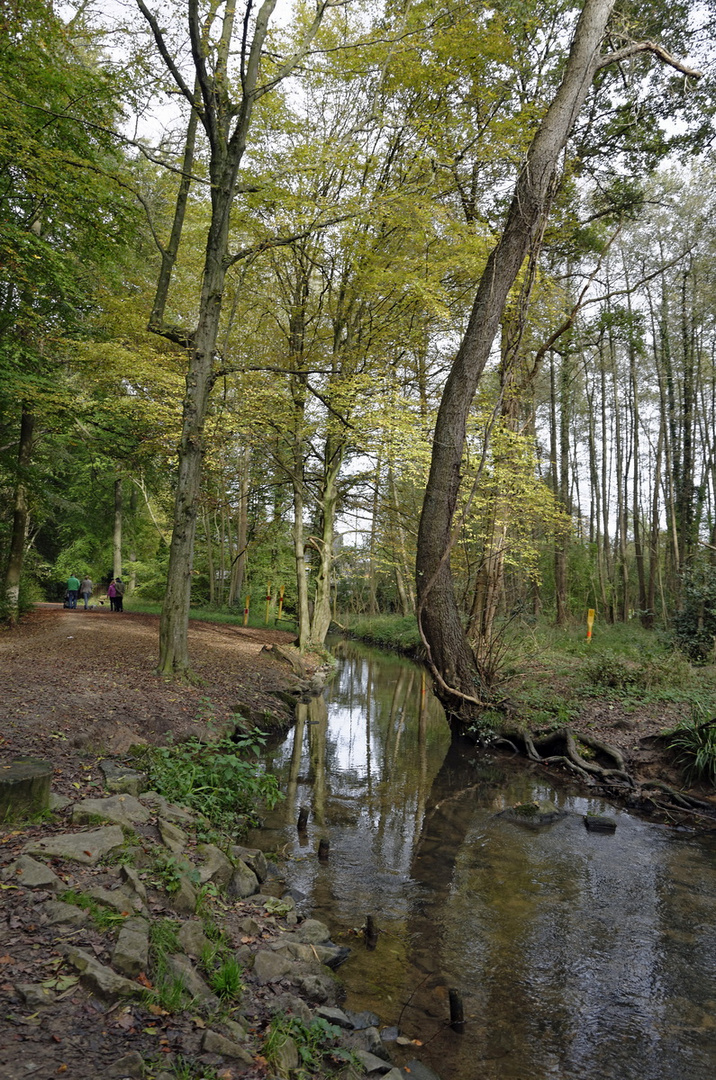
x=695, y=741
x=695, y=624
x=214, y=779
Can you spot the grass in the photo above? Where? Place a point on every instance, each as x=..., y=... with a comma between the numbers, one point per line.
x=695, y=743
x=103, y=918
x=205, y=613
x=395, y=632
x=314, y=1042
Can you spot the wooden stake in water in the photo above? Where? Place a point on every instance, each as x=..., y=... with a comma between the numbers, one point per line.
x=324, y=847
x=370, y=932
x=302, y=819
x=457, y=1013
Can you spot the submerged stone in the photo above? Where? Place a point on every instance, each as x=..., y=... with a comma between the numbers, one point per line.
x=532, y=814
x=600, y=823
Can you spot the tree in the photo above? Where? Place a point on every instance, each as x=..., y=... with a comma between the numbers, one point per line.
x=226, y=121
x=459, y=680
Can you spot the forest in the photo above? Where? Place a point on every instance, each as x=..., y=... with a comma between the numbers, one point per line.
x=296, y=299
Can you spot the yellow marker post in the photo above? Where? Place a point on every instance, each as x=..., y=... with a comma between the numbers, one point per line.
x=268, y=601
x=280, y=601
x=246, y=610
x=590, y=623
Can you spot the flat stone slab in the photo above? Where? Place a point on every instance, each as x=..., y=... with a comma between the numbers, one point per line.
x=24, y=787
x=100, y=978
x=131, y=953
x=600, y=823
x=214, y=865
x=32, y=874
x=214, y=1043
x=58, y=913
x=169, y=811
x=172, y=836
x=119, y=809
x=86, y=847
x=120, y=779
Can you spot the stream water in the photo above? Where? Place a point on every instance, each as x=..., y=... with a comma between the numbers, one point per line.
x=580, y=956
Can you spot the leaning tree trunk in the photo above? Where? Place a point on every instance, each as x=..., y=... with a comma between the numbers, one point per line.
x=458, y=678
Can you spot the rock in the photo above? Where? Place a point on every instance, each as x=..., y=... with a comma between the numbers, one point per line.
x=131, y=953
x=417, y=1071
x=291, y=1005
x=285, y=1058
x=169, y=811
x=35, y=995
x=254, y=859
x=243, y=882
x=87, y=848
x=184, y=899
x=367, y=1040
x=119, y=809
x=270, y=967
x=214, y=865
x=172, y=836
x=312, y=932
x=55, y=912
x=24, y=788
x=237, y=1029
x=102, y=980
x=192, y=938
x=318, y=988
x=120, y=900
x=130, y=1065
x=361, y=1020
x=58, y=802
x=532, y=814
x=334, y=1016
x=134, y=882
x=120, y=779
x=371, y=1063
x=600, y=823
x=394, y=1074
x=249, y=926
x=182, y=969
x=31, y=874
x=213, y=1043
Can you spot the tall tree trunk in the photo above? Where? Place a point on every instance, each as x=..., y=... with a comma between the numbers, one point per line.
x=13, y=574
x=459, y=680
x=117, y=530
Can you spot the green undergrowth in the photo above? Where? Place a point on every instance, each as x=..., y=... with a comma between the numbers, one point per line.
x=223, y=780
x=396, y=632
x=206, y=613
x=694, y=741
x=315, y=1045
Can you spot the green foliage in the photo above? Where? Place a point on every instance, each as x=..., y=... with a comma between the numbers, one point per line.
x=225, y=979
x=103, y=918
x=214, y=779
x=168, y=870
x=695, y=743
x=695, y=623
x=396, y=632
x=314, y=1042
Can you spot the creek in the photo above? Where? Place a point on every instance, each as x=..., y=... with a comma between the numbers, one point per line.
x=579, y=955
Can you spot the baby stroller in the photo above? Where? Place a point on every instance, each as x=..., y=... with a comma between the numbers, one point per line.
x=67, y=599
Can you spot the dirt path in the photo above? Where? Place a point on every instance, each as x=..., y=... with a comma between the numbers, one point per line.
x=86, y=681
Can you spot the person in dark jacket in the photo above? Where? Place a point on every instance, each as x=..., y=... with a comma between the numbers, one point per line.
x=119, y=594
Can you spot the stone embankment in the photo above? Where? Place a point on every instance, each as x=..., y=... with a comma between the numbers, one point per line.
x=137, y=943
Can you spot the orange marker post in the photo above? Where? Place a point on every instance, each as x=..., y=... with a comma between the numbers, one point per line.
x=590, y=623
x=246, y=610
x=268, y=601
x=280, y=601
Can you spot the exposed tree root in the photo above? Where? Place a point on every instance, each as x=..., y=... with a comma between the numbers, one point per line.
x=613, y=781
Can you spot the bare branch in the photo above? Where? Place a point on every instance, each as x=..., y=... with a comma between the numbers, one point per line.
x=637, y=47
x=165, y=54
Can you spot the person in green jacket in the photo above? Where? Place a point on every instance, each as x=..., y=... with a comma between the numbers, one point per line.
x=73, y=588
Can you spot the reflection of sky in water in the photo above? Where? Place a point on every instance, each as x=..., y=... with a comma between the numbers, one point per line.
x=580, y=956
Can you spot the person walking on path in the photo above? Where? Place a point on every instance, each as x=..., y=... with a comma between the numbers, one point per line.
x=73, y=588
x=119, y=594
x=112, y=594
x=86, y=589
